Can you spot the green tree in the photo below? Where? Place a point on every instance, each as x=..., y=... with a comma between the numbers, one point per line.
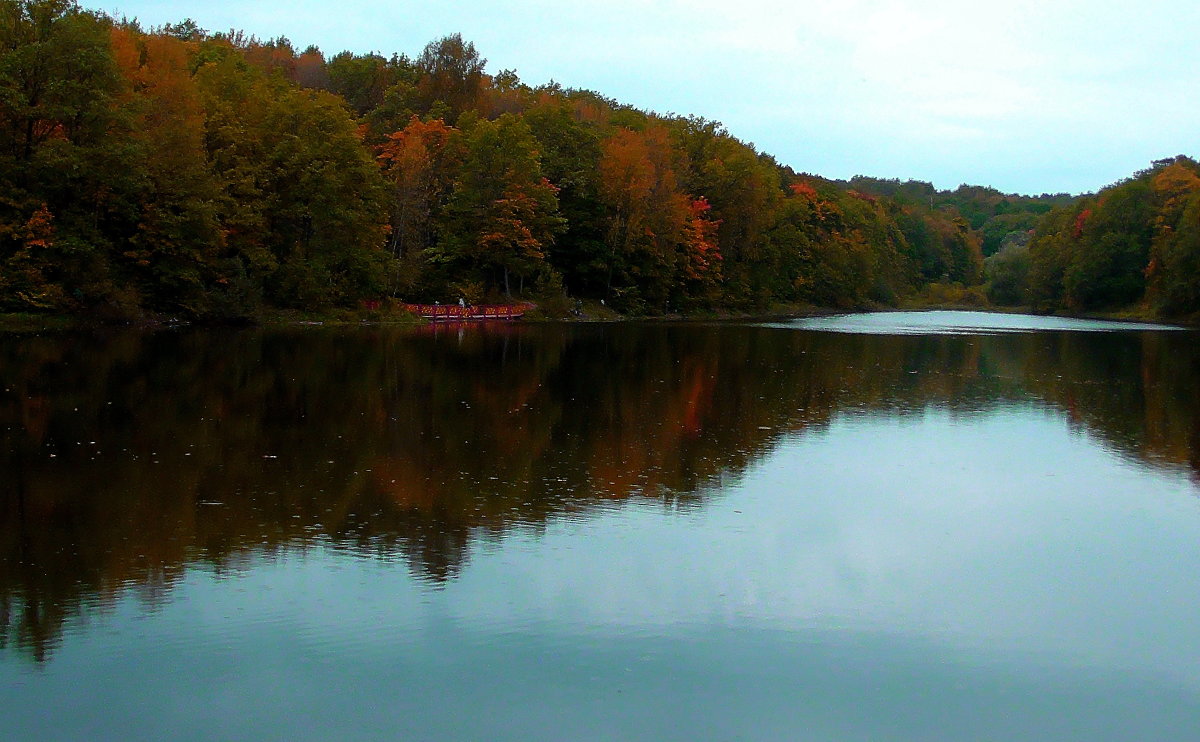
x=361, y=80
x=743, y=189
x=502, y=216
x=1051, y=250
x=1007, y=275
x=1110, y=260
x=65, y=155
x=569, y=151
x=302, y=202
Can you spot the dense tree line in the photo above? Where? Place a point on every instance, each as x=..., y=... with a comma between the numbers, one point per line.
x=181, y=172
x=178, y=171
x=158, y=171
x=1135, y=243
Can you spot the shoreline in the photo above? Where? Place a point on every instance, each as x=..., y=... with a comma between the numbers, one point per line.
x=24, y=323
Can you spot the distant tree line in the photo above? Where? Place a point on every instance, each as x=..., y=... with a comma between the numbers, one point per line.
x=999, y=218
x=178, y=171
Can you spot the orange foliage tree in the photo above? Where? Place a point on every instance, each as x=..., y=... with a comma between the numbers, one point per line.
x=648, y=217
x=419, y=162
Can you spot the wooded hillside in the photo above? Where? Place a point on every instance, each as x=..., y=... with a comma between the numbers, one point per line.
x=180, y=172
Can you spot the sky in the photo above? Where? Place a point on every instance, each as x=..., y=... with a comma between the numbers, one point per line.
x=1027, y=96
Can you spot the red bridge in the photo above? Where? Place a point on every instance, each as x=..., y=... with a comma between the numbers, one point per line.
x=470, y=312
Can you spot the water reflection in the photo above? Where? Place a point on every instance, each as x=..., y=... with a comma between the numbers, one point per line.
x=130, y=456
x=954, y=322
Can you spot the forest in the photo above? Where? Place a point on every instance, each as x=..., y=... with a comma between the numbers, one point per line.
x=176, y=172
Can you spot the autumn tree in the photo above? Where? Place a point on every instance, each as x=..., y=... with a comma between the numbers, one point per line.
x=702, y=258
x=827, y=264
x=400, y=102
x=186, y=172
x=1173, y=274
x=647, y=216
x=173, y=252
x=504, y=93
x=310, y=70
x=837, y=248
x=276, y=56
x=743, y=190
x=419, y=162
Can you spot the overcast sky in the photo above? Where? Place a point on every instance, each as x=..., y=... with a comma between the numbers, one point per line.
x=1027, y=96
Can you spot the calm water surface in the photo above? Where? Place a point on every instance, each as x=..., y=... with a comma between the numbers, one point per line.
x=886, y=527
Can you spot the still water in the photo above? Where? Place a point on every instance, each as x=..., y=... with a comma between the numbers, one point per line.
x=885, y=527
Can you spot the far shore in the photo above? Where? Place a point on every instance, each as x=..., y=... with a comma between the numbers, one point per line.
x=592, y=312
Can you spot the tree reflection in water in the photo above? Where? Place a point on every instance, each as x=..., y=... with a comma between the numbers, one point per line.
x=129, y=456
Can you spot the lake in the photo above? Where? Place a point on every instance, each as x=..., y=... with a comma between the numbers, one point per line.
x=905, y=526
